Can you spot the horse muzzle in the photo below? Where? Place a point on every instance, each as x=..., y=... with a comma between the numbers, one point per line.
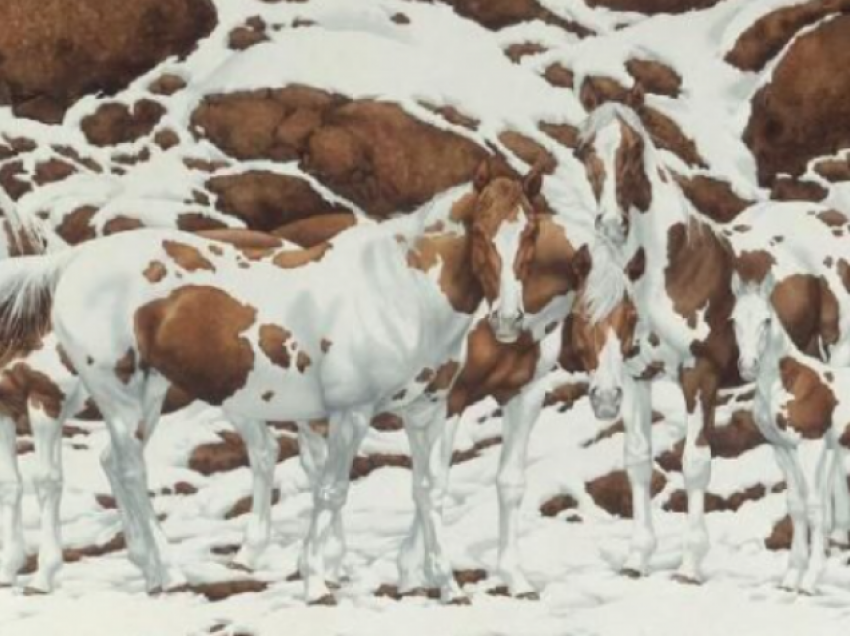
x=507, y=329
x=606, y=403
x=748, y=370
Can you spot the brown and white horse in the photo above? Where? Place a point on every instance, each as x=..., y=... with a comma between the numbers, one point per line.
x=681, y=266
x=367, y=322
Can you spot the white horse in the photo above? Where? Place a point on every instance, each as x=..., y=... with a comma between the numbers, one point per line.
x=366, y=322
x=802, y=408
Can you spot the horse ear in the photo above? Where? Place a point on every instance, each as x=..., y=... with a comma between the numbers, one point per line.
x=736, y=284
x=589, y=96
x=483, y=175
x=582, y=262
x=635, y=97
x=533, y=182
x=768, y=284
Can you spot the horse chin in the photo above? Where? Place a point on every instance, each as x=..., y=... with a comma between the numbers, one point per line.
x=605, y=410
x=507, y=336
x=748, y=373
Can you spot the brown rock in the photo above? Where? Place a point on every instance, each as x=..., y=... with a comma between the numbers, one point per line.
x=315, y=230
x=452, y=115
x=678, y=501
x=556, y=505
x=516, y=52
x=497, y=14
x=529, y=150
x=780, y=537
x=790, y=189
x=243, y=506
x=596, y=90
x=801, y=113
x=245, y=36
x=52, y=170
x=712, y=197
x=230, y=453
x=53, y=52
x=612, y=492
x=768, y=35
x=651, y=7
x=115, y=123
x=166, y=138
x=121, y=223
x=265, y=200
x=666, y=134
x=737, y=437
x=11, y=182
x=223, y=590
x=559, y=75
x=76, y=226
x=474, y=452
x=167, y=84
x=363, y=466
x=655, y=77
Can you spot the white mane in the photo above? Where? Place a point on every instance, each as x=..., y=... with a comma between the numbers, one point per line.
x=608, y=113
x=607, y=283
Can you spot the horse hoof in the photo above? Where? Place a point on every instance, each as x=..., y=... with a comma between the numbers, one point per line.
x=34, y=591
x=528, y=596
x=327, y=600
x=686, y=580
x=631, y=573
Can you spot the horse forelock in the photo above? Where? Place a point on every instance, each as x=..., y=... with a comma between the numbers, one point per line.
x=607, y=284
x=609, y=114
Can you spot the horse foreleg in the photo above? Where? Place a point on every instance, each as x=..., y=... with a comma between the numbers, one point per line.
x=840, y=536
x=637, y=420
x=11, y=492
x=521, y=414
x=700, y=390
x=262, y=457
x=347, y=431
x=818, y=473
x=413, y=552
x=47, y=479
x=798, y=557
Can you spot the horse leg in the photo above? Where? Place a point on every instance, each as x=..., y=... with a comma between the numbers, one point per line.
x=412, y=554
x=699, y=385
x=521, y=414
x=637, y=420
x=262, y=456
x=347, y=430
x=11, y=492
x=818, y=473
x=796, y=496
x=47, y=479
x=840, y=536
x=423, y=424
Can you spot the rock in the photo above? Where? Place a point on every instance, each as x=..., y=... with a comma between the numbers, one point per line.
x=11, y=182
x=230, y=453
x=737, y=437
x=834, y=170
x=167, y=84
x=712, y=197
x=556, y=505
x=780, y=537
x=166, y=138
x=247, y=35
x=790, y=189
x=655, y=77
x=266, y=200
x=786, y=131
x=531, y=152
x=597, y=89
x=678, y=501
x=612, y=492
x=652, y=7
x=243, y=506
x=115, y=123
x=559, y=75
x=497, y=14
x=452, y=115
x=52, y=170
x=474, y=452
x=222, y=590
x=363, y=466
x=76, y=226
x=53, y=52
x=768, y=35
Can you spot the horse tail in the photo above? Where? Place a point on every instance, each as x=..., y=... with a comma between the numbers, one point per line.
x=27, y=287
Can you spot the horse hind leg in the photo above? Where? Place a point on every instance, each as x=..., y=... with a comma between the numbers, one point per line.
x=796, y=496
x=11, y=492
x=48, y=481
x=840, y=535
x=818, y=473
x=262, y=456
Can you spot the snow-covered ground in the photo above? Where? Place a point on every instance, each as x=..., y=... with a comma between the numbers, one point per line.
x=573, y=558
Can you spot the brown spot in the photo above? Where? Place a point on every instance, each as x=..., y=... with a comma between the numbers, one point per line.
x=155, y=271
x=267, y=396
x=121, y=223
x=637, y=265
x=753, y=265
x=556, y=505
x=844, y=272
x=612, y=492
x=302, y=361
x=212, y=364
x=633, y=186
x=833, y=218
x=273, y=339
x=811, y=409
x=452, y=115
x=564, y=134
x=519, y=50
x=400, y=395
x=712, y=197
x=291, y=259
x=187, y=257
x=425, y=375
x=791, y=189
x=125, y=368
x=325, y=345
x=40, y=390
x=655, y=77
x=444, y=377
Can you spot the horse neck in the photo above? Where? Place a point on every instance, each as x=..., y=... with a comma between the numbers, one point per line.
x=650, y=229
x=779, y=346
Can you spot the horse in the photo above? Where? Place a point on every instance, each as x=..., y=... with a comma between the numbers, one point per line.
x=680, y=265
x=366, y=321
x=802, y=409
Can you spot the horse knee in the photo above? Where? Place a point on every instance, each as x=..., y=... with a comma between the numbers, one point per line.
x=511, y=487
x=331, y=496
x=11, y=490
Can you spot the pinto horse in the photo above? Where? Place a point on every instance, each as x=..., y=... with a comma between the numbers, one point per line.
x=681, y=266
x=802, y=408
x=366, y=322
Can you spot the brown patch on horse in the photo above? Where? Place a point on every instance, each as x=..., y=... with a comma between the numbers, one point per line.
x=425, y=375
x=808, y=310
x=493, y=368
x=267, y=396
x=753, y=266
x=34, y=387
x=155, y=271
x=292, y=259
x=637, y=265
x=593, y=167
x=444, y=377
x=302, y=361
x=832, y=218
x=813, y=404
x=633, y=186
x=325, y=345
x=843, y=268
x=187, y=257
x=557, y=267
x=211, y=365
x=125, y=368
x=273, y=339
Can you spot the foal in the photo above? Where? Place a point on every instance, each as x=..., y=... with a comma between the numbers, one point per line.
x=802, y=407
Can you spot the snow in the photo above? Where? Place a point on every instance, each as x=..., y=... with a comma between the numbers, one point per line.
x=355, y=49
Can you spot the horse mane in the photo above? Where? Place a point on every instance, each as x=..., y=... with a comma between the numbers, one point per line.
x=606, y=285
x=28, y=233
x=608, y=113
